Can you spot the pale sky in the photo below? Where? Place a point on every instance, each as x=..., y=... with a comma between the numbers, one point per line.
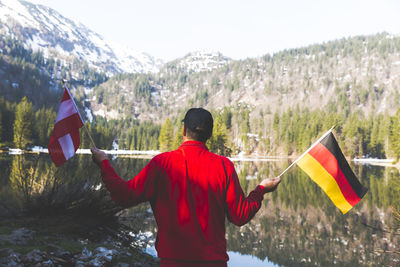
x=170, y=29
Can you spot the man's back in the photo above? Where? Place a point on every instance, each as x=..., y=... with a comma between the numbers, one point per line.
x=190, y=204
x=190, y=190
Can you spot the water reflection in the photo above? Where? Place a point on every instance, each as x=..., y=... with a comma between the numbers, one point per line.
x=31, y=183
x=297, y=225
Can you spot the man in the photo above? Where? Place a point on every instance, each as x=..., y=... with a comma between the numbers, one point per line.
x=190, y=190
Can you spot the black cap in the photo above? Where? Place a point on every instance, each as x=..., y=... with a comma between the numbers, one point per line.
x=200, y=121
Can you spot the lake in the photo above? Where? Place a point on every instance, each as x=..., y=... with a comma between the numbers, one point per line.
x=297, y=225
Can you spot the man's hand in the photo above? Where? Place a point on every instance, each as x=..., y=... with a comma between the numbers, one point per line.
x=98, y=156
x=270, y=184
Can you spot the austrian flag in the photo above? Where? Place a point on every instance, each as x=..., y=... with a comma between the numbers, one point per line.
x=65, y=139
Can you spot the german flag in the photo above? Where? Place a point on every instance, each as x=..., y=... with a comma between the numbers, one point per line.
x=325, y=164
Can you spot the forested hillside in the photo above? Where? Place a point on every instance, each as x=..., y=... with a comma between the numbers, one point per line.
x=274, y=105
x=358, y=73
x=30, y=93
x=24, y=72
x=278, y=103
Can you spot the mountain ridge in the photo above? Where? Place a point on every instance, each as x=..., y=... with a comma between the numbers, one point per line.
x=41, y=27
x=350, y=74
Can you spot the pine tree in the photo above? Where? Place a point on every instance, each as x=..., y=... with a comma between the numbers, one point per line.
x=178, y=137
x=394, y=136
x=44, y=120
x=23, y=123
x=218, y=141
x=7, y=111
x=166, y=136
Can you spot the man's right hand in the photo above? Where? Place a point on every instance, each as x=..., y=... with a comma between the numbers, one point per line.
x=270, y=184
x=98, y=156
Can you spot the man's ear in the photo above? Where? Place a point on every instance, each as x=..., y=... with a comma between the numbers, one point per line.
x=184, y=131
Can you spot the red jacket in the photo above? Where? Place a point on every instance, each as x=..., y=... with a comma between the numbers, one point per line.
x=190, y=191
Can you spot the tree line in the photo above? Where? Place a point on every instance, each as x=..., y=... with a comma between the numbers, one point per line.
x=290, y=132
x=21, y=126
x=358, y=135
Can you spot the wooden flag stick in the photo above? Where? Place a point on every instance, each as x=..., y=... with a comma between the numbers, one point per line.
x=316, y=142
x=84, y=124
x=90, y=137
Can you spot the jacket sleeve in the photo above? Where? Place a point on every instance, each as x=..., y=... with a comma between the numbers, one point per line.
x=241, y=209
x=132, y=192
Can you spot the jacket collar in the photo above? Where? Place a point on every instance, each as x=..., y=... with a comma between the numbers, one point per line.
x=193, y=144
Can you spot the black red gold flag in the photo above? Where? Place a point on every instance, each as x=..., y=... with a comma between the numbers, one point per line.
x=326, y=165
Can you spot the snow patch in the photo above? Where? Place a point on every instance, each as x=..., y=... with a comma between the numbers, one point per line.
x=89, y=114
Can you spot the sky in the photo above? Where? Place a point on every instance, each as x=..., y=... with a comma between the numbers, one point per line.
x=169, y=29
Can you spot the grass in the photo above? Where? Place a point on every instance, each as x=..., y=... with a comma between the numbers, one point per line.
x=6, y=230
x=76, y=247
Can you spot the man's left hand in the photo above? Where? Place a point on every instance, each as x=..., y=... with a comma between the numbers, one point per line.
x=270, y=184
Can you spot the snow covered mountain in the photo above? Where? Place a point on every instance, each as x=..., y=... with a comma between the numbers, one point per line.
x=202, y=61
x=41, y=27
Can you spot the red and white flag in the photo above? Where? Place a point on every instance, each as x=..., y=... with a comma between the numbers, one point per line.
x=65, y=138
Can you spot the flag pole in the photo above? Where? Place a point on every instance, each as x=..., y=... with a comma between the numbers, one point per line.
x=316, y=142
x=90, y=137
x=84, y=124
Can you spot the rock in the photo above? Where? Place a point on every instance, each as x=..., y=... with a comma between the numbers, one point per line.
x=59, y=260
x=97, y=262
x=79, y=264
x=105, y=254
x=47, y=263
x=33, y=257
x=100, y=250
x=59, y=252
x=122, y=264
x=18, y=237
x=86, y=255
x=9, y=258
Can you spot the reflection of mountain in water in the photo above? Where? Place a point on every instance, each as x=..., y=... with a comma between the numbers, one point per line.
x=299, y=225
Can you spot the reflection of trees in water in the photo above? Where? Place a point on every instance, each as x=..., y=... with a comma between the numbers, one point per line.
x=32, y=183
x=138, y=218
x=36, y=186
x=299, y=225
x=23, y=172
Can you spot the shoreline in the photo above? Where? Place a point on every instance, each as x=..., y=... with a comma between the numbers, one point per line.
x=148, y=154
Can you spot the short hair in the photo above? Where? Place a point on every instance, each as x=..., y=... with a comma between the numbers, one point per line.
x=199, y=124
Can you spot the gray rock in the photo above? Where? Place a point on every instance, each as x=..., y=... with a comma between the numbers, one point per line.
x=97, y=262
x=9, y=258
x=19, y=236
x=33, y=257
x=105, y=254
x=47, y=263
x=10, y=263
x=59, y=252
x=86, y=255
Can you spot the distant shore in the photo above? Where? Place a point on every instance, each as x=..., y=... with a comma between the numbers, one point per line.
x=146, y=154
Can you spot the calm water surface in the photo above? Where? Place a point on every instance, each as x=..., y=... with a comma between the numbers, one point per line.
x=297, y=225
